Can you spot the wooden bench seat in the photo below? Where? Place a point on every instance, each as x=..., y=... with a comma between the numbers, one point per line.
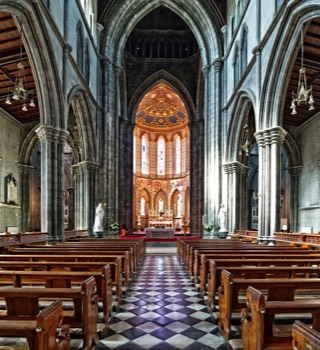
x=201, y=263
x=64, y=279
x=304, y=337
x=41, y=330
x=92, y=267
x=76, y=257
x=258, y=316
x=214, y=280
x=26, y=301
x=279, y=289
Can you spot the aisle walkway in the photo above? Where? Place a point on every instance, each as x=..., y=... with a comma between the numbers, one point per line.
x=162, y=310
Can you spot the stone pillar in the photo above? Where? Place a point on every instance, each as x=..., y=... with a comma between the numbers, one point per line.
x=52, y=141
x=24, y=181
x=110, y=142
x=295, y=173
x=208, y=171
x=125, y=211
x=270, y=143
x=237, y=198
x=85, y=187
x=196, y=176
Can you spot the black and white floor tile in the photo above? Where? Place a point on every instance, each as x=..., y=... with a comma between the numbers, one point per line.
x=162, y=310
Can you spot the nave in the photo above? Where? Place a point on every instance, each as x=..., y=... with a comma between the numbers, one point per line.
x=162, y=310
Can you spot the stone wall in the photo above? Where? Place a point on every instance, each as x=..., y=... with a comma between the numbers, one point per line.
x=309, y=203
x=9, y=147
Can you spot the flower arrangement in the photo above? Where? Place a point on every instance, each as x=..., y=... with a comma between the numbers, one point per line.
x=114, y=226
x=210, y=226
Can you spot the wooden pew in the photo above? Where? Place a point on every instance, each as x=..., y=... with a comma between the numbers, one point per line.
x=40, y=330
x=265, y=254
x=280, y=289
x=37, y=254
x=304, y=337
x=201, y=263
x=280, y=271
x=92, y=267
x=26, y=301
x=258, y=319
x=64, y=279
x=75, y=257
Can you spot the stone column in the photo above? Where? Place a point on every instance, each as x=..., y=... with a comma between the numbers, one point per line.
x=237, y=198
x=24, y=181
x=125, y=212
x=270, y=143
x=85, y=190
x=208, y=171
x=109, y=145
x=52, y=141
x=196, y=175
x=295, y=173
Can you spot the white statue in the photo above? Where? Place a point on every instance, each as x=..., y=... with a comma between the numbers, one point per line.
x=222, y=218
x=98, y=221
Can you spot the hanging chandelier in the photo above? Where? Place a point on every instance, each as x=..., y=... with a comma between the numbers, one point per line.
x=246, y=147
x=20, y=91
x=303, y=94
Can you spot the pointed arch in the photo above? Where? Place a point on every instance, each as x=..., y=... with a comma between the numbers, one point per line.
x=167, y=78
x=275, y=86
x=78, y=100
x=245, y=100
x=42, y=58
x=204, y=24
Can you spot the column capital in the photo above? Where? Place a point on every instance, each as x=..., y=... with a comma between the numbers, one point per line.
x=295, y=170
x=49, y=133
x=217, y=64
x=205, y=71
x=270, y=136
x=86, y=166
x=235, y=167
x=25, y=169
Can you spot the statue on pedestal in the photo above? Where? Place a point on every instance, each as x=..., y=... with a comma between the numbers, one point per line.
x=98, y=221
x=222, y=218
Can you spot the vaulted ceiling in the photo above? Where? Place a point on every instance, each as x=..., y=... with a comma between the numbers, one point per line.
x=13, y=52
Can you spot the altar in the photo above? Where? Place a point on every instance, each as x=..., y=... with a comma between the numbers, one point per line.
x=153, y=232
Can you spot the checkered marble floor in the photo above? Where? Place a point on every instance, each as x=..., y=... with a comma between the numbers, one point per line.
x=162, y=310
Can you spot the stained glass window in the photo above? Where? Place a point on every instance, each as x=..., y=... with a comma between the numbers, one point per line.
x=161, y=156
x=178, y=155
x=144, y=156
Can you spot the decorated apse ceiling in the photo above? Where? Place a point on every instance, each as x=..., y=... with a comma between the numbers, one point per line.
x=161, y=109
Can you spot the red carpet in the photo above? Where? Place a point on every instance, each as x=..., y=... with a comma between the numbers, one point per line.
x=159, y=239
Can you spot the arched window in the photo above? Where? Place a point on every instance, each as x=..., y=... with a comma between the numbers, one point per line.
x=87, y=63
x=144, y=155
x=143, y=207
x=244, y=50
x=178, y=155
x=161, y=156
x=236, y=66
x=134, y=154
x=80, y=46
x=160, y=207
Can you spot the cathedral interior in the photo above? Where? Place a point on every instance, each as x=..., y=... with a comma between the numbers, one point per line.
x=163, y=112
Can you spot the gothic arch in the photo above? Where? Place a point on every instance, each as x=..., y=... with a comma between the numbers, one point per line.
x=160, y=195
x=241, y=109
x=28, y=145
x=167, y=78
x=274, y=86
x=79, y=103
x=42, y=60
x=123, y=18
